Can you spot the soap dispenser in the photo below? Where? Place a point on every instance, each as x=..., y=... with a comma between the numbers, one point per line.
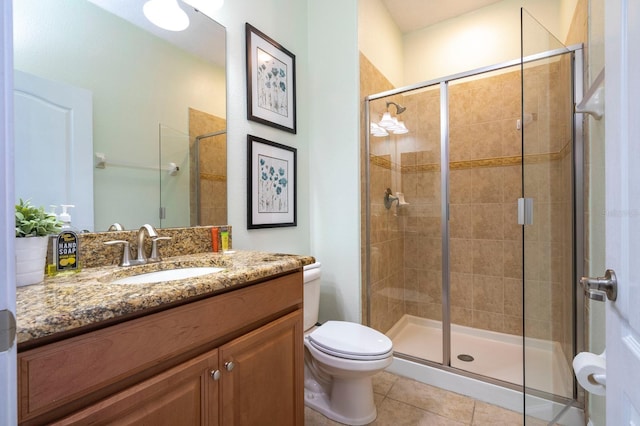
x=66, y=251
x=65, y=218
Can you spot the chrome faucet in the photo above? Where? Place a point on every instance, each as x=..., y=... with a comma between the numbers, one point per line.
x=141, y=258
x=150, y=230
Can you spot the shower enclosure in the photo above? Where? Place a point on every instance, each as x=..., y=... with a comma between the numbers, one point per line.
x=196, y=193
x=471, y=232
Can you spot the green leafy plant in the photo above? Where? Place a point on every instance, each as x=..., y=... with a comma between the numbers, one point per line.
x=33, y=221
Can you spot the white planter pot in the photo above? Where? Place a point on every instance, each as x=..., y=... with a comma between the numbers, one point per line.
x=31, y=257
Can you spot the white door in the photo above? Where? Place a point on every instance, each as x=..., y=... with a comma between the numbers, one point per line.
x=622, y=159
x=8, y=369
x=54, y=144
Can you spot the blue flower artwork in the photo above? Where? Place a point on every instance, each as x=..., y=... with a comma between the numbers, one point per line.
x=272, y=84
x=272, y=185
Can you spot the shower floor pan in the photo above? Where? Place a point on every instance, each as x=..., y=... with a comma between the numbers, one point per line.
x=495, y=355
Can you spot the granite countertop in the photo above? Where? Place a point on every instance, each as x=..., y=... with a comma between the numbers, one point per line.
x=63, y=303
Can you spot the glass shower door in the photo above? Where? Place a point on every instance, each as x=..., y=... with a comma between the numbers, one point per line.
x=485, y=240
x=546, y=127
x=405, y=222
x=449, y=272
x=174, y=177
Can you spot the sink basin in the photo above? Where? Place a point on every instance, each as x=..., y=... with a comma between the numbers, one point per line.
x=168, y=275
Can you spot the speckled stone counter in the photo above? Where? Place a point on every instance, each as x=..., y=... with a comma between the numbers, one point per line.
x=64, y=303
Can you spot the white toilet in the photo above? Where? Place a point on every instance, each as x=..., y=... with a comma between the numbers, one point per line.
x=339, y=360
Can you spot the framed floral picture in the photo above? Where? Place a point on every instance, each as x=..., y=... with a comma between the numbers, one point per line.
x=271, y=82
x=271, y=184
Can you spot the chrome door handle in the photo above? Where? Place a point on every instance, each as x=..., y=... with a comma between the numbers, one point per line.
x=601, y=287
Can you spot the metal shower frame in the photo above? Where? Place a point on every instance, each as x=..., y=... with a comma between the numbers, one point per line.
x=578, y=206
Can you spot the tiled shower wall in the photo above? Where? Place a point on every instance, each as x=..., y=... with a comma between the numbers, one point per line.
x=387, y=240
x=213, y=168
x=485, y=182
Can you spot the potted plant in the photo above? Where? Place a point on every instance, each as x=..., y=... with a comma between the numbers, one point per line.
x=33, y=227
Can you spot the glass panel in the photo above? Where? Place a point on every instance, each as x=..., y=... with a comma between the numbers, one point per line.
x=174, y=177
x=547, y=146
x=195, y=189
x=405, y=224
x=536, y=39
x=485, y=239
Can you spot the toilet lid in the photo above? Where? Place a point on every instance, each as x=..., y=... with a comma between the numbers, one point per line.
x=350, y=340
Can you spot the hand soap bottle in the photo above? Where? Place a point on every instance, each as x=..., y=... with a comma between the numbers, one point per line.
x=66, y=247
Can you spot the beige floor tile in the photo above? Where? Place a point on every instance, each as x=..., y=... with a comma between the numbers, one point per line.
x=490, y=415
x=411, y=403
x=382, y=382
x=435, y=400
x=395, y=413
x=532, y=421
x=313, y=418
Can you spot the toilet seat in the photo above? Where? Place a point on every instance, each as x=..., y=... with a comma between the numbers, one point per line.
x=350, y=340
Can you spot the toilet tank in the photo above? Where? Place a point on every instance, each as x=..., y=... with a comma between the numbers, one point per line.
x=311, y=292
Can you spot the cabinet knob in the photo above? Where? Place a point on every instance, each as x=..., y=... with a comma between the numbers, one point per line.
x=215, y=374
x=229, y=365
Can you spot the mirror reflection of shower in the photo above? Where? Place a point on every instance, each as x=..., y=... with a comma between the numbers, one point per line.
x=388, y=123
x=209, y=174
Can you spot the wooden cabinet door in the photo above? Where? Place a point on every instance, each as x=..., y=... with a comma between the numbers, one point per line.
x=264, y=385
x=184, y=395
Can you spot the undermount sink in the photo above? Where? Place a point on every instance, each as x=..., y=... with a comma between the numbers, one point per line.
x=167, y=275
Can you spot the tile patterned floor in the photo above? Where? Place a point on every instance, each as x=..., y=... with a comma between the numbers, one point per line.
x=403, y=401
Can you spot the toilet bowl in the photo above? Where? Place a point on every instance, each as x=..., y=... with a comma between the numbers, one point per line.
x=340, y=359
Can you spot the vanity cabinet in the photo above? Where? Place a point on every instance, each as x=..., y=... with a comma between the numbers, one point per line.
x=184, y=395
x=231, y=359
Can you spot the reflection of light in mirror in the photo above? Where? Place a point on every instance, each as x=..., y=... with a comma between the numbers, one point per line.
x=166, y=14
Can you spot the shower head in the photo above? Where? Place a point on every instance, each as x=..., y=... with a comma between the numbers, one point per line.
x=399, y=108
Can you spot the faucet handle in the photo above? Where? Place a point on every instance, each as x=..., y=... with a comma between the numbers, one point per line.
x=155, y=255
x=126, y=260
x=116, y=227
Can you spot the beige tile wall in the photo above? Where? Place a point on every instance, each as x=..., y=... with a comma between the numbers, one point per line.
x=213, y=168
x=387, y=240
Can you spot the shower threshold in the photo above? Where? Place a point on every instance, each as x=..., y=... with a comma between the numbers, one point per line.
x=486, y=353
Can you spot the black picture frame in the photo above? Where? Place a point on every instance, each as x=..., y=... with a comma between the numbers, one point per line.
x=271, y=81
x=271, y=184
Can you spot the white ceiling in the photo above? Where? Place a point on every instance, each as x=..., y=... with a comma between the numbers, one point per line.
x=411, y=15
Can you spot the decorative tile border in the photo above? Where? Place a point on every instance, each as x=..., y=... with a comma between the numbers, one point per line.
x=382, y=161
x=516, y=160
x=212, y=177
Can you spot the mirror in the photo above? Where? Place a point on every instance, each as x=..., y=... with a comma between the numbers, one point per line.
x=110, y=111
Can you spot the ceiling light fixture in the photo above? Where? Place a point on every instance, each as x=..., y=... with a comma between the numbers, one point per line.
x=378, y=131
x=166, y=14
x=386, y=120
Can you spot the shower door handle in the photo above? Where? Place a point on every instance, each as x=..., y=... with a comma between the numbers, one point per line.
x=525, y=211
x=601, y=288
